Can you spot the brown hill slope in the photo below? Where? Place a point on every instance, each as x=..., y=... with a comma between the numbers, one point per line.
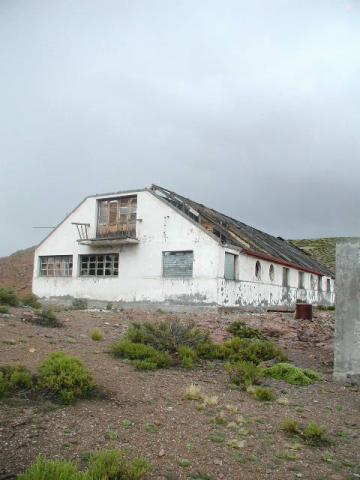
x=16, y=271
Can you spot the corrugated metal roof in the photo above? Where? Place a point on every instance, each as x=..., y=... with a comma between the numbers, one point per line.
x=230, y=230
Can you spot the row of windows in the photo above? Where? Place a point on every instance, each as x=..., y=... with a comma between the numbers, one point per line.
x=231, y=273
x=175, y=264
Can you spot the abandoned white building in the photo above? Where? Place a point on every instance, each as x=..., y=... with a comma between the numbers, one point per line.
x=155, y=246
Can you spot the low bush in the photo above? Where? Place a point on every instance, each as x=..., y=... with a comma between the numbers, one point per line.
x=44, y=469
x=65, y=378
x=241, y=330
x=244, y=373
x=79, y=304
x=167, y=336
x=315, y=434
x=193, y=392
x=109, y=306
x=291, y=426
x=96, y=335
x=263, y=394
x=31, y=300
x=14, y=378
x=111, y=465
x=252, y=350
x=187, y=356
x=47, y=318
x=146, y=357
x=8, y=297
x=292, y=374
x=4, y=309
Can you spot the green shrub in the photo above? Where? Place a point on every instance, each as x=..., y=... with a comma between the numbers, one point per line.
x=47, y=318
x=31, y=300
x=8, y=297
x=109, y=306
x=187, y=356
x=263, y=394
x=252, y=350
x=113, y=465
x=14, y=378
x=292, y=374
x=146, y=357
x=212, y=351
x=241, y=330
x=315, y=434
x=65, y=378
x=44, y=469
x=4, y=309
x=291, y=426
x=244, y=373
x=96, y=335
x=167, y=336
x=79, y=304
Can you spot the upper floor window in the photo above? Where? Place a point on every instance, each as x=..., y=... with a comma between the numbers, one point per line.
x=320, y=283
x=328, y=285
x=258, y=270
x=230, y=266
x=99, y=265
x=56, y=266
x=117, y=217
x=178, y=264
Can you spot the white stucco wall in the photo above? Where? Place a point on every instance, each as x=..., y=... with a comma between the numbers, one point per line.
x=161, y=228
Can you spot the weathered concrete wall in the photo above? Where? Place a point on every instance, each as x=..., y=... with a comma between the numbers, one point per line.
x=347, y=329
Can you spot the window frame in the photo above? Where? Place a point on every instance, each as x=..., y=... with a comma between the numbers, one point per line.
x=66, y=268
x=285, y=277
x=96, y=265
x=235, y=260
x=272, y=272
x=301, y=280
x=176, y=252
x=258, y=270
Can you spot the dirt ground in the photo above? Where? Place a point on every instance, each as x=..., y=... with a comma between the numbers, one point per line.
x=145, y=413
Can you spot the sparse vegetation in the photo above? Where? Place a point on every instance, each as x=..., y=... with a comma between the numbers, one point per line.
x=31, y=300
x=193, y=392
x=291, y=426
x=241, y=330
x=96, y=335
x=292, y=374
x=187, y=356
x=79, y=304
x=65, y=378
x=108, y=465
x=263, y=394
x=109, y=306
x=8, y=297
x=14, y=378
x=48, y=318
x=315, y=434
x=4, y=309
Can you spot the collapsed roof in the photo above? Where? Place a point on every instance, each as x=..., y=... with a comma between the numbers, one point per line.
x=250, y=240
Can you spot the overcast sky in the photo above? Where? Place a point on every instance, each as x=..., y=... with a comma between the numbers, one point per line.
x=250, y=107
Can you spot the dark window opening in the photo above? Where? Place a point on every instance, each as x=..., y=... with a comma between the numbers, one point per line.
x=285, y=278
x=99, y=265
x=258, y=270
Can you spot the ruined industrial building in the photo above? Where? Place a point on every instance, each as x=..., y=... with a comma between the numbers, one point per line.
x=155, y=246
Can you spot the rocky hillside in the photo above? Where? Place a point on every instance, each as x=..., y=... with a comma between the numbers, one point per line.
x=322, y=249
x=16, y=271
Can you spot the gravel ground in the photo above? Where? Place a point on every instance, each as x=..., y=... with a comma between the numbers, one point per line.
x=145, y=413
